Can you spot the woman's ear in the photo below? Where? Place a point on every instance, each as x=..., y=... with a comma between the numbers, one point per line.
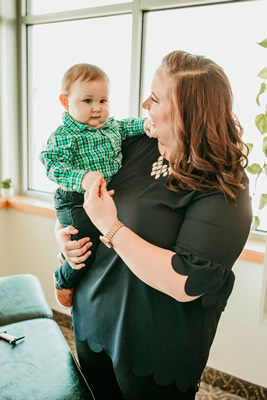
x=64, y=101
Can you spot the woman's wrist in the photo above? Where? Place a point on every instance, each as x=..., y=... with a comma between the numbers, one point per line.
x=108, y=236
x=105, y=225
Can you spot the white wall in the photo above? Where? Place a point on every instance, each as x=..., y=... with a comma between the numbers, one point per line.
x=27, y=245
x=240, y=348
x=3, y=237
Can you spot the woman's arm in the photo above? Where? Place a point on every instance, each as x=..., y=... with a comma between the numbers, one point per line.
x=149, y=263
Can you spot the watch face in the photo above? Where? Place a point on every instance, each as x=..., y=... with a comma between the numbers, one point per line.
x=105, y=241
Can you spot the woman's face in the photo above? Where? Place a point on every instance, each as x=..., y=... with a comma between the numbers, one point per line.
x=158, y=106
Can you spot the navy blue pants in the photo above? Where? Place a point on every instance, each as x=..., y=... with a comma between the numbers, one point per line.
x=69, y=210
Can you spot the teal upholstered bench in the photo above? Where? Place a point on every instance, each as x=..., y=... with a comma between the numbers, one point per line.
x=21, y=298
x=40, y=366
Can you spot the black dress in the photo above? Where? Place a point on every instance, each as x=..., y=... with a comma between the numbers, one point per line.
x=140, y=328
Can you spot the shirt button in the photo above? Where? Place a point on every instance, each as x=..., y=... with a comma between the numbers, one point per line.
x=112, y=140
x=74, y=186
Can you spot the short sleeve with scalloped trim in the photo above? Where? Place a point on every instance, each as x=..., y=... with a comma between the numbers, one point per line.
x=209, y=242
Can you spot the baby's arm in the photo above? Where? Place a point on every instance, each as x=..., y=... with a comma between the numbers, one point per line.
x=134, y=126
x=129, y=127
x=58, y=159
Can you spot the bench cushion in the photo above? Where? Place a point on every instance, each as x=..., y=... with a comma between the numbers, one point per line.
x=22, y=298
x=41, y=366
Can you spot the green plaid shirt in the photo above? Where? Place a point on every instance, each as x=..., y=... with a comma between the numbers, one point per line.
x=74, y=149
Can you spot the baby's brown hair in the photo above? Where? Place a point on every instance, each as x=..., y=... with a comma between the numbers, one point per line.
x=82, y=72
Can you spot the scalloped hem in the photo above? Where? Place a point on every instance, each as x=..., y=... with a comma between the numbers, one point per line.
x=140, y=371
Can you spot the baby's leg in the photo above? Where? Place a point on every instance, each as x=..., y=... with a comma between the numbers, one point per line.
x=69, y=208
x=66, y=276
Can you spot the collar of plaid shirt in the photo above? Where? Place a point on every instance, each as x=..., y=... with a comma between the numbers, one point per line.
x=78, y=127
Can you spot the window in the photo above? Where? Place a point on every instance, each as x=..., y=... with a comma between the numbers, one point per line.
x=57, y=37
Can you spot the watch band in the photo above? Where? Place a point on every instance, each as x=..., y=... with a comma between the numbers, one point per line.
x=106, y=239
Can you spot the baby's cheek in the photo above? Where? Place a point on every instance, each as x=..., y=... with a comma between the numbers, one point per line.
x=106, y=114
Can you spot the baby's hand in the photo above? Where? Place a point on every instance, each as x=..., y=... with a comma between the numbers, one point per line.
x=147, y=127
x=89, y=178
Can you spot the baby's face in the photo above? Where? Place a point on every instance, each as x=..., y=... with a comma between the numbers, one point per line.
x=89, y=102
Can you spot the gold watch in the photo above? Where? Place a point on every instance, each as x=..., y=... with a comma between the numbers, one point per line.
x=106, y=239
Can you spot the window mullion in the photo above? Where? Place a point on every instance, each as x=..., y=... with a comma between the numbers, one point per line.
x=136, y=59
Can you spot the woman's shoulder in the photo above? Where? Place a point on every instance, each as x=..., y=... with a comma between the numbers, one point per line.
x=138, y=141
x=141, y=144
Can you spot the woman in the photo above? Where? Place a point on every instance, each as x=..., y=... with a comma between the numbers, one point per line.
x=146, y=313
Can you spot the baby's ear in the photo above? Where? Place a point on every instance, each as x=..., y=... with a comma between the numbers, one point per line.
x=64, y=101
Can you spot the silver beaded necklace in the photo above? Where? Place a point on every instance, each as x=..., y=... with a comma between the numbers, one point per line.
x=158, y=168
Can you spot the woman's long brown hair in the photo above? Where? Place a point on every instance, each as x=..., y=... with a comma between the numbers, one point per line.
x=208, y=151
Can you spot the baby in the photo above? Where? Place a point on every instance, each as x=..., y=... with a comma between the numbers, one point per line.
x=87, y=144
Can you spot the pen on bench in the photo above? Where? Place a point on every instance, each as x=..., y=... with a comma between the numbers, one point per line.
x=9, y=338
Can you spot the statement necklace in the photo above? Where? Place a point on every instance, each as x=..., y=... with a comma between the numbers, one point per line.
x=158, y=168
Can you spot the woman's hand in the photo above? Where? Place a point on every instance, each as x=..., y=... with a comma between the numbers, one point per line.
x=76, y=252
x=99, y=205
